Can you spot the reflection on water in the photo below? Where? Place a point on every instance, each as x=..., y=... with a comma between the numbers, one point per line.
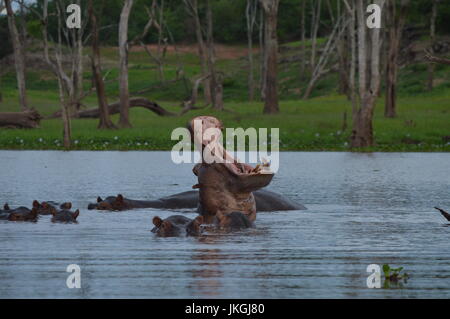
x=362, y=209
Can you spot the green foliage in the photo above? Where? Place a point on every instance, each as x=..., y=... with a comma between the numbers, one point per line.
x=394, y=276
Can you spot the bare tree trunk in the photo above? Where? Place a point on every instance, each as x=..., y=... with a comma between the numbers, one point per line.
x=432, y=40
x=250, y=14
x=192, y=7
x=315, y=22
x=303, y=39
x=262, y=56
x=435, y=59
x=19, y=57
x=319, y=68
x=369, y=47
x=124, y=120
x=104, y=119
x=26, y=119
x=270, y=8
x=343, y=56
x=395, y=29
x=216, y=81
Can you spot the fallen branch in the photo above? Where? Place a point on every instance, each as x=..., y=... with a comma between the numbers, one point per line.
x=115, y=108
x=27, y=119
x=435, y=59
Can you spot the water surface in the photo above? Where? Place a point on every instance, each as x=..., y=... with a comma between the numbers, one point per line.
x=362, y=209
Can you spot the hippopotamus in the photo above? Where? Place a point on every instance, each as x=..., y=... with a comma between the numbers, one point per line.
x=226, y=188
x=266, y=201
x=177, y=225
x=18, y=214
x=65, y=216
x=49, y=208
x=232, y=221
x=119, y=203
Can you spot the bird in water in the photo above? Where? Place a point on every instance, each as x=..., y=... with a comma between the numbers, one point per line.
x=444, y=213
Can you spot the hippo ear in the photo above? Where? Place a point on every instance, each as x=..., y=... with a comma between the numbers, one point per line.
x=157, y=221
x=119, y=198
x=75, y=215
x=35, y=203
x=199, y=219
x=99, y=199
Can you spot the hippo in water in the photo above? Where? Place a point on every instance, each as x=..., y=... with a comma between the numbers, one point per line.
x=18, y=214
x=266, y=201
x=232, y=221
x=50, y=208
x=65, y=216
x=177, y=225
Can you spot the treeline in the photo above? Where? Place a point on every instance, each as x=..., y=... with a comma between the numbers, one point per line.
x=229, y=20
x=366, y=58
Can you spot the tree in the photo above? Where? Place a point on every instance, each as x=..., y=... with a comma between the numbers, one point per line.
x=251, y=11
x=104, y=118
x=270, y=8
x=395, y=23
x=124, y=120
x=212, y=79
x=19, y=56
x=435, y=59
x=366, y=47
x=432, y=39
x=192, y=9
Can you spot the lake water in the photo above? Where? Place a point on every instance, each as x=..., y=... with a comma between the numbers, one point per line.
x=362, y=209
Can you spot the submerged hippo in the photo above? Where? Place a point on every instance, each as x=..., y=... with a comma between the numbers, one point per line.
x=266, y=201
x=18, y=214
x=65, y=216
x=233, y=221
x=177, y=225
x=49, y=208
x=119, y=203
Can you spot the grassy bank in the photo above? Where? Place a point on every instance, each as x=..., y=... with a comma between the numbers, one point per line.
x=313, y=125
x=316, y=124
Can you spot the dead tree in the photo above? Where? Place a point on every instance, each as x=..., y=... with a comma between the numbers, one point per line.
x=251, y=11
x=433, y=18
x=104, y=118
x=26, y=119
x=319, y=68
x=303, y=40
x=114, y=108
x=66, y=82
x=435, y=59
x=366, y=48
x=19, y=56
x=124, y=120
x=192, y=9
x=395, y=22
x=155, y=20
x=315, y=22
x=270, y=8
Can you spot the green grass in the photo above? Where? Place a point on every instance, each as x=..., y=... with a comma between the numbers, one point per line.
x=314, y=124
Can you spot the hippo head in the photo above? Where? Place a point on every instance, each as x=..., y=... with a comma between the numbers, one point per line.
x=194, y=227
x=65, y=216
x=233, y=221
x=23, y=215
x=44, y=208
x=116, y=203
x=165, y=228
x=173, y=226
